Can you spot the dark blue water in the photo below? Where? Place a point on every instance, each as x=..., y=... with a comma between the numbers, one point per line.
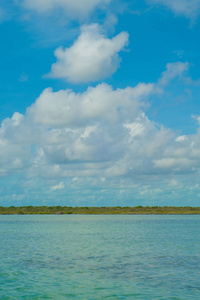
x=99, y=257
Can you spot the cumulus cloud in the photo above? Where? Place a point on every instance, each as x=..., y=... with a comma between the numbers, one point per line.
x=13, y=156
x=92, y=57
x=102, y=132
x=187, y=8
x=182, y=156
x=101, y=103
x=71, y=7
x=50, y=140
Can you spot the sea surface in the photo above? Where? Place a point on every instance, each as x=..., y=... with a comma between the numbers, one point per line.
x=99, y=257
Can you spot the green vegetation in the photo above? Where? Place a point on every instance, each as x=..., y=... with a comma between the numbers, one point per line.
x=118, y=210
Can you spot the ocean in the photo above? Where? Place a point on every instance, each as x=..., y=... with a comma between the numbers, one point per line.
x=99, y=257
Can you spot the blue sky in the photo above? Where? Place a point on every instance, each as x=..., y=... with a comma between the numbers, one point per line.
x=99, y=102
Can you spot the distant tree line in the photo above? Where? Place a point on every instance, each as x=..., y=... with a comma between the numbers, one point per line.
x=137, y=210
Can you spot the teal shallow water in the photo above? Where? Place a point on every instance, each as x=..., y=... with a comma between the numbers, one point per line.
x=99, y=257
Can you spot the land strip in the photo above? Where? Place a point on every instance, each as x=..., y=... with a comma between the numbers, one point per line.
x=117, y=210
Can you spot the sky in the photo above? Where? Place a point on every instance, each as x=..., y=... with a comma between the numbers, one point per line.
x=99, y=102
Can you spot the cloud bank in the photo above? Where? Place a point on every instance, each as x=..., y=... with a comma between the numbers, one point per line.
x=101, y=132
x=100, y=138
x=92, y=57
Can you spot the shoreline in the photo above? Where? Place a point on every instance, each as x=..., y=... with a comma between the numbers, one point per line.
x=118, y=210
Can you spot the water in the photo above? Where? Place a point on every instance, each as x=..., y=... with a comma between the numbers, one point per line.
x=99, y=257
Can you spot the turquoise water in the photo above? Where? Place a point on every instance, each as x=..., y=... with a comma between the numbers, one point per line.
x=99, y=257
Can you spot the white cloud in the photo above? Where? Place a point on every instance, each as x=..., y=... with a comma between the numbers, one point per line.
x=187, y=8
x=181, y=138
x=101, y=103
x=101, y=132
x=92, y=56
x=135, y=129
x=50, y=140
x=71, y=7
x=173, y=71
x=59, y=186
x=172, y=163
